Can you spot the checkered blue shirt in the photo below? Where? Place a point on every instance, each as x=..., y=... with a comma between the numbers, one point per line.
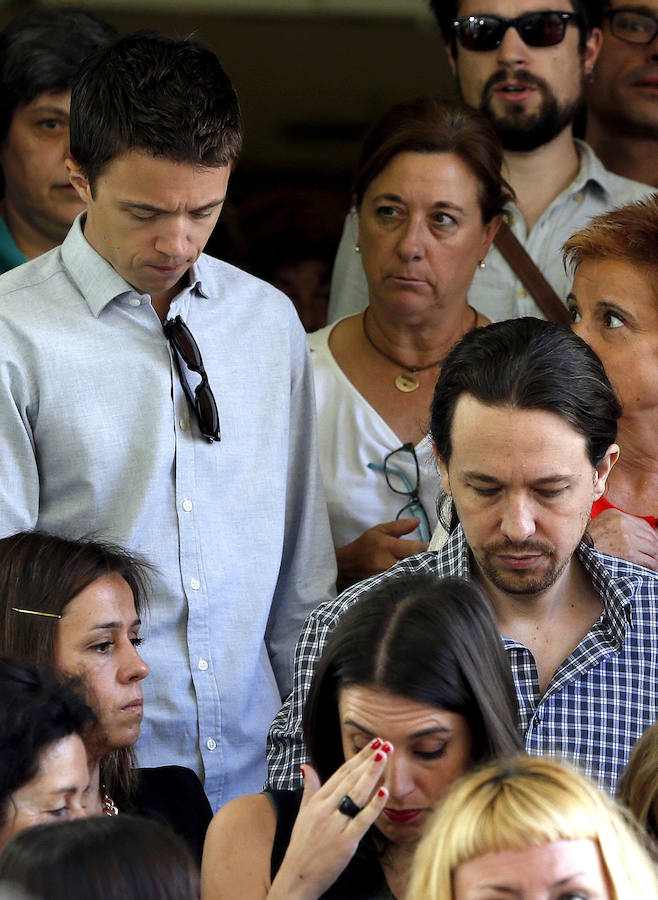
x=597, y=704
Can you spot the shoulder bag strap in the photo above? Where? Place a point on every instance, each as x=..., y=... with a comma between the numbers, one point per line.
x=523, y=266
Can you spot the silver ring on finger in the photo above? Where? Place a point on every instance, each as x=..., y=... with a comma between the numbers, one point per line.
x=348, y=807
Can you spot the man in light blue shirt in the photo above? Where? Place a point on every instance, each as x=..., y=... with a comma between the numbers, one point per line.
x=163, y=399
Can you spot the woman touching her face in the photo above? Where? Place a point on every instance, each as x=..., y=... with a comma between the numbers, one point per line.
x=413, y=688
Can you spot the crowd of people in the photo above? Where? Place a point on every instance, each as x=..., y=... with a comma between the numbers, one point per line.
x=398, y=578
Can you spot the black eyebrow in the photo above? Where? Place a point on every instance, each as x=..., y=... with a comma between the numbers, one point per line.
x=146, y=207
x=438, y=729
x=114, y=625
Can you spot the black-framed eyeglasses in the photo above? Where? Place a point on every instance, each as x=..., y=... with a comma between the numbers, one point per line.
x=400, y=483
x=202, y=399
x=536, y=29
x=632, y=26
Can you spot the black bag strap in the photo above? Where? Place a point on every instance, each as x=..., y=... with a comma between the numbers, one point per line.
x=523, y=266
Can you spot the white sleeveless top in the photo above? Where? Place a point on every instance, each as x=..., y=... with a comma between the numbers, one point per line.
x=352, y=434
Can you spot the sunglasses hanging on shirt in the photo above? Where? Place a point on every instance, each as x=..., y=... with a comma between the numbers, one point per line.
x=202, y=399
x=536, y=29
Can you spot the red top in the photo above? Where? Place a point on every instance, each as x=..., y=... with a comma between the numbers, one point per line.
x=599, y=505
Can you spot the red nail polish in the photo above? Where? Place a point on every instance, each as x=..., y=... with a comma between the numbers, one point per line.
x=381, y=792
x=379, y=756
x=303, y=773
x=376, y=744
x=386, y=747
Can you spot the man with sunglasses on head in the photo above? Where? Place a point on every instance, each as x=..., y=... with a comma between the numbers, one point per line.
x=524, y=63
x=622, y=99
x=163, y=399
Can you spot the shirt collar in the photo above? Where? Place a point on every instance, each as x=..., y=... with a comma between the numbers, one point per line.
x=591, y=171
x=98, y=282
x=616, y=593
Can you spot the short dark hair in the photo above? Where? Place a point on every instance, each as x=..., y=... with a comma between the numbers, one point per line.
x=168, y=97
x=446, y=11
x=42, y=51
x=429, y=639
x=436, y=125
x=36, y=710
x=109, y=858
x=528, y=363
x=44, y=572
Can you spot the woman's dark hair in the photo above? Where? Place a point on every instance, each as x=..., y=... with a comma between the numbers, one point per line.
x=36, y=710
x=436, y=125
x=107, y=858
x=428, y=639
x=43, y=573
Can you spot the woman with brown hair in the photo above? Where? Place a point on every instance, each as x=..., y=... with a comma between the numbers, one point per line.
x=429, y=194
x=77, y=606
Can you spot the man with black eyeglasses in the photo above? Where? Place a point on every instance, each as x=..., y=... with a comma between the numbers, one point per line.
x=163, y=399
x=622, y=100
x=524, y=63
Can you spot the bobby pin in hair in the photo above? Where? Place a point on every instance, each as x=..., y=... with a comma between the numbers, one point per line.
x=34, y=612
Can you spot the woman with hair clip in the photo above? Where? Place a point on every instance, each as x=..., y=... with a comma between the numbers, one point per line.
x=531, y=829
x=412, y=689
x=429, y=194
x=77, y=606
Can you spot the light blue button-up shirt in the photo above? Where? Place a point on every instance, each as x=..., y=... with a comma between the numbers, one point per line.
x=96, y=437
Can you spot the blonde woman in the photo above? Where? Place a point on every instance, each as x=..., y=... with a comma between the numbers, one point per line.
x=530, y=828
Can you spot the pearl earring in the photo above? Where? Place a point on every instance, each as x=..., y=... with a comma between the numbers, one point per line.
x=482, y=264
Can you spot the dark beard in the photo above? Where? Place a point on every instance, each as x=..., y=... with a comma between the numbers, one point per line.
x=521, y=132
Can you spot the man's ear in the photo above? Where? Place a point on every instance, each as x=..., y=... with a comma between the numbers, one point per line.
x=592, y=49
x=443, y=469
x=78, y=179
x=602, y=471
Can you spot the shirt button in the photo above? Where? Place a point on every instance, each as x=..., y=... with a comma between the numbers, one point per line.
x=195, y=584
x=187, y=505
x=135, y=301
x=203, y=664
x=520, y=292
x=183, y=424
x=211, y=744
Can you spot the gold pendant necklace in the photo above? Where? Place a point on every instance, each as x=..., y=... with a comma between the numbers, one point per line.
x=406, y=381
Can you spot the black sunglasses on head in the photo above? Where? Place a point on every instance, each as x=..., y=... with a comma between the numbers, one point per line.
x=536, y=29
x=202, y=400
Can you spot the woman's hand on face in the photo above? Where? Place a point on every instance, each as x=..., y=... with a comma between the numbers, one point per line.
x=324, y=839
x=621, y=534
x=376, y=550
